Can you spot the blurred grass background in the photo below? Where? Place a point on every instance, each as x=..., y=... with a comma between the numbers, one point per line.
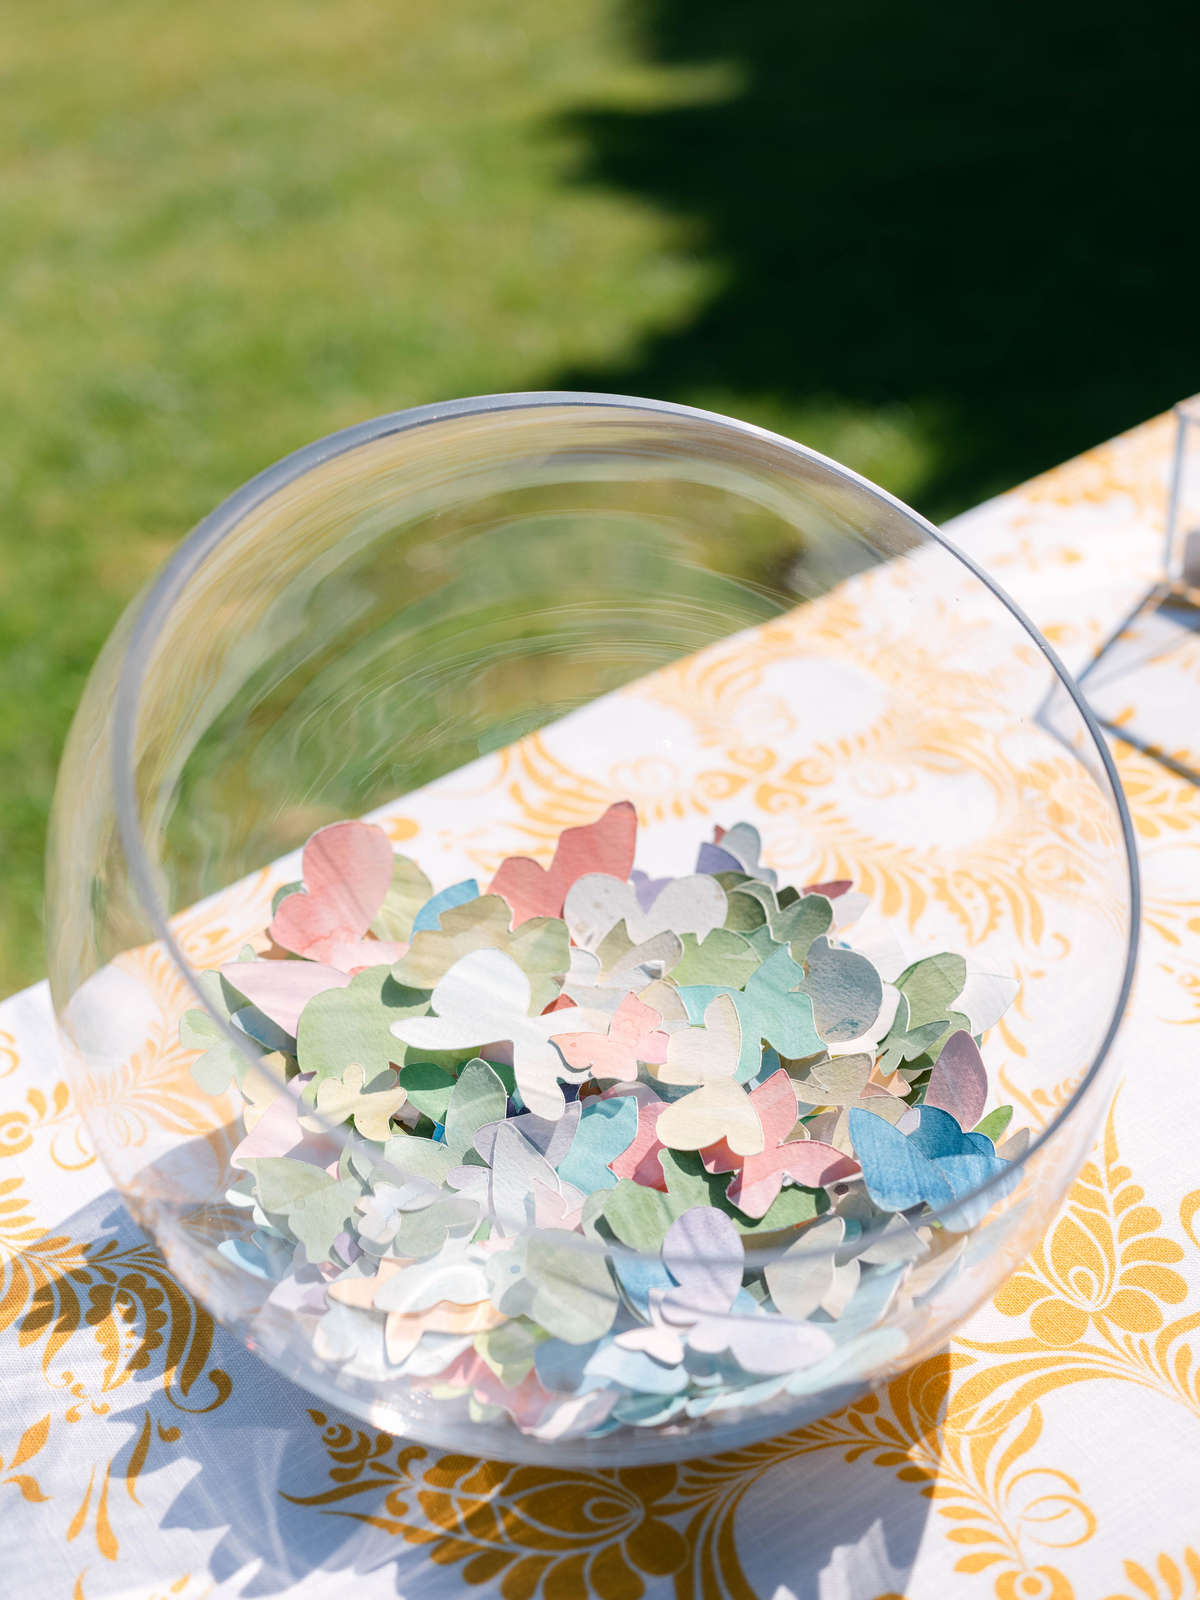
x=947, y=256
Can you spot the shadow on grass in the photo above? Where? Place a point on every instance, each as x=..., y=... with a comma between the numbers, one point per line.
x=978, y=218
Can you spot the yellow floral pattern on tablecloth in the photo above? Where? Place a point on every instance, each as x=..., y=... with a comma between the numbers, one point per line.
x=993, y=1441
x=956, y=1429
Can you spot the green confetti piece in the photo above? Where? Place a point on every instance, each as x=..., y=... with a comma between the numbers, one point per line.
x=540, y=946
x=428, y=1088
x=407, y=1155
x=423, y=1233
x=317, y=1206
x=799, y=924
x=573, y=1296
x=352, y=1026
x=744, y=913
x=930, y=985
x=722, y=959
x=509, y=1349
x=453, y=1061
x=478, y=1097
x=223, y=1061
x=407, y=893
x=640, y=1217
x=912, y=1047
x=995, y=1124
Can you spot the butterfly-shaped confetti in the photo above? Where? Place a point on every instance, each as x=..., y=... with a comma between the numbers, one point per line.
x=351, y=1024
x=485, y=997
x=935, y=1165
x=371, y=1106
x=539, y=946
x=735, y=849
x=719, y=1107
x=633, y=1037
x=597, y=903
x=606, y=846
x=347, y=870
x=760, y=1174
x=837, y=1085
x=282, y=989
x=702, y=1254
x=509, y=1146
x=845, y=990
x=958, y=1082
x=772, y=1008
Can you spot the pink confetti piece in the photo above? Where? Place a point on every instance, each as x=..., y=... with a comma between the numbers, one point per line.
x=403, y=1330
x=528, y=1403
x=280, y=1132
x=760, y=1174
x=360, y=1292
x=347, y=871
x=833, y=890
x=958, y=1083
x=606, y=845
x=633, y=1036
x=282, y=989
x=640, y=1162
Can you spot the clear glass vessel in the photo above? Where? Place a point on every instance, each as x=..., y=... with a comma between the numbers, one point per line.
x=483, y=621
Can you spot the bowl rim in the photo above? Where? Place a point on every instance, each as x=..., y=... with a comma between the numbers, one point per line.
x=208, y=534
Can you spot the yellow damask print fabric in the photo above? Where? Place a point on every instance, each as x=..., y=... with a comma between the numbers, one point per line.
x=1050, y=1453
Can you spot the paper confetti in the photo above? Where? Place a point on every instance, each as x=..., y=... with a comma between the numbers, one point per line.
x=595, y=1147
x=347, y=874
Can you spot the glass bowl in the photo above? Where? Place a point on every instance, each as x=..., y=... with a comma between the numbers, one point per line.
x=481, y=623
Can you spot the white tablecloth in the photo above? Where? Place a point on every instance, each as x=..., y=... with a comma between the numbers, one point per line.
x=1052, y=1451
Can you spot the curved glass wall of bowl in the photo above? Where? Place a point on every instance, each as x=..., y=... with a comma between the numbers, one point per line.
x=479, y=625
x=1144, y=681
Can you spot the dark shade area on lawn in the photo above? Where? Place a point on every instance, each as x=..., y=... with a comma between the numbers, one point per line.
x=989, y=217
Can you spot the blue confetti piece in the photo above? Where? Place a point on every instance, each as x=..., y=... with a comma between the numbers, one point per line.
x=633, y=1370
x=429, y=917
x=606, y=1128
x=771, y=1006
x=712, y=859
x=247, y=1256
x=935, y=1165
x=636, y=1276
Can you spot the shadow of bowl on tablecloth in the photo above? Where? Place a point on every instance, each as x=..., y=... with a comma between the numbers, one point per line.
x=189, y=1431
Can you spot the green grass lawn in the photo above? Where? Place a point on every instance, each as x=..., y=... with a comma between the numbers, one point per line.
x=226, y=229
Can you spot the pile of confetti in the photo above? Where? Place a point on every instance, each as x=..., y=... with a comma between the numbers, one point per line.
x=594, y=1149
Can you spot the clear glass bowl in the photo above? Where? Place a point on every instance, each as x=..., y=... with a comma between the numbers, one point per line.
x=484, y=621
